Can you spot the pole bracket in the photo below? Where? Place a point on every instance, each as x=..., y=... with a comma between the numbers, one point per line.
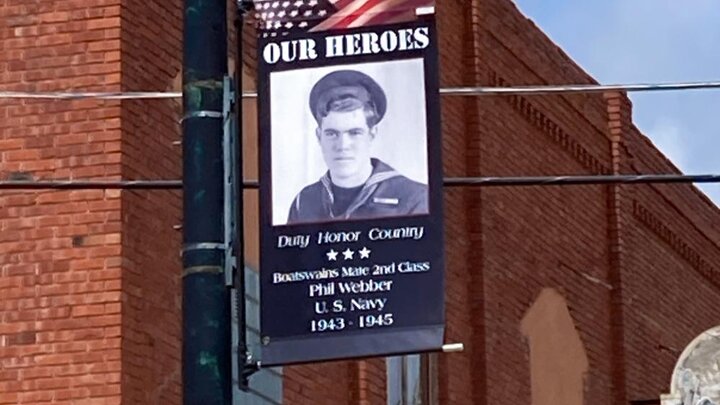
x=230, y=177
x=247, y=369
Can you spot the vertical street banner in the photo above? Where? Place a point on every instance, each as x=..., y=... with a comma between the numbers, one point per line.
x=351, y=219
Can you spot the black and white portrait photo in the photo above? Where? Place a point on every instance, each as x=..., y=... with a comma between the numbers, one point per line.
x=349, y=142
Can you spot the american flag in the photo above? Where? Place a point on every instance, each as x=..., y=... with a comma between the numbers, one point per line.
x=284, y=16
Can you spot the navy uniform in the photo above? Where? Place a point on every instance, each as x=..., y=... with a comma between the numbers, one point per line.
x=386, y=193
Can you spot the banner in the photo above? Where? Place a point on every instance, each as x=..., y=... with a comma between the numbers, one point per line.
x=350, y=180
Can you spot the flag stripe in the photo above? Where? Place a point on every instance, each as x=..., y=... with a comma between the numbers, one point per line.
x=381, y=11
x=399, y=14
x=332, y=21
x=341, y=4
x=345, y=22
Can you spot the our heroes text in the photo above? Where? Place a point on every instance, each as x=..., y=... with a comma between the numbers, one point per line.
x=365, y=43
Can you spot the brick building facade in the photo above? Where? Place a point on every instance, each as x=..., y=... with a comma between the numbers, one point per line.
x=561, y=295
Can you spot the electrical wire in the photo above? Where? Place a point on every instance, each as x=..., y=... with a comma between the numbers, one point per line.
x=90, y=184
x=580, y=180
x=576, y=88
x=130, y=95
x=447, y=182
x=450, y=91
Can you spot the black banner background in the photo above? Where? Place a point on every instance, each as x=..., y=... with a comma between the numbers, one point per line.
x=413, y=299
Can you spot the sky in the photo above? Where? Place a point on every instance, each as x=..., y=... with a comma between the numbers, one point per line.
x=650, y=41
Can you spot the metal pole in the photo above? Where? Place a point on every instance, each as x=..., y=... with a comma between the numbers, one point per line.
x=246, y=364
x=206, y=349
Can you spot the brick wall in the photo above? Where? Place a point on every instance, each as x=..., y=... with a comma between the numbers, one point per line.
x=89, y=280
x=534, y=238
x=151, y=61
x=674, y=274
x=458, y=371
x=60, y=277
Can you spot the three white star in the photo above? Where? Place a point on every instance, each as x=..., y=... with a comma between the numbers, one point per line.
x=348, y=254
x=364, y=253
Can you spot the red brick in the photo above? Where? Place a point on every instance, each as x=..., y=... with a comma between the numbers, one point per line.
x=9, y=398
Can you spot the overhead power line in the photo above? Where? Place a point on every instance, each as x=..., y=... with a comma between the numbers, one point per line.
x=448, y=182
x=58, y=95
x=451, y=91
x=90, y=184
x=580, y=180
x=577, y=88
